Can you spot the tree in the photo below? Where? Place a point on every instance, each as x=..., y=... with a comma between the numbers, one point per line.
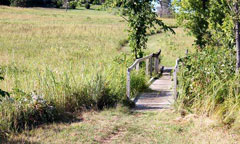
x=236, y=21
x=141, y=18
x=164, y=9
x=193, y=15
x=212, y=22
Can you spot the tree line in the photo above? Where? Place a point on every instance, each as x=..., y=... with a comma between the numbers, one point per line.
x=49, y=3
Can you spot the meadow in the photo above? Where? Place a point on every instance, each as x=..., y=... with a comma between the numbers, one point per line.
x=56, y=61
x=69, y=60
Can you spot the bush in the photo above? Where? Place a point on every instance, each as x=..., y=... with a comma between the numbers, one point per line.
x=33, y=3
x=4, y=2
x=25, y=111
x=72, y=4
x=20, y=3
x=208, y=84
x=87, y=5
x=59, y=3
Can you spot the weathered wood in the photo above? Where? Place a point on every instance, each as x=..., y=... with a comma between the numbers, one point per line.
x=237, y=38
x=175, y=79
x=128, y=84
x=186, y=53
x=156, y=65
x=137, y=66
x=160, y=96
x=67, y=5
x=147, y=67
x=151, y=65
x=138, y=61
x=157, y=54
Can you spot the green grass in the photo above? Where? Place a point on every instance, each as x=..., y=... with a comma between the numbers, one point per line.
x=122, y=126
x=173, y=46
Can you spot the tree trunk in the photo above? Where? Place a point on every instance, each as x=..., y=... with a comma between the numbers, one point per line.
x=237, y=37
x=136, y=53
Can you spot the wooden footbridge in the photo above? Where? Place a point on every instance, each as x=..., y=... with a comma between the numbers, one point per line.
x=161, y=93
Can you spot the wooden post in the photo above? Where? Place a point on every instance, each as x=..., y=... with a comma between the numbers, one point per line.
x=156, y=65
x=128, y=83
x=237, y=38
x=147, y=67
x=137, y=67
x=175, y=79
x=186, y=53
x=150, y=70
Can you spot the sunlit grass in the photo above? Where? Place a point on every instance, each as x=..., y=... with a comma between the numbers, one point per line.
x=122, y=126
x=173, y=46
x=78, y=43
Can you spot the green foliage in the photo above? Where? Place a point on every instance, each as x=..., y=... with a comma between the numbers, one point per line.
x=72, y=4
x=34, y=3
x=4, y=2
x=140, y=18
x=210, y=21
x=3, y=93
x=20, y=3
x=207, y=84
x=87, y=5
x=59, y=3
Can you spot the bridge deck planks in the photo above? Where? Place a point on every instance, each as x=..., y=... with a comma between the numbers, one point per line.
x=160, y=94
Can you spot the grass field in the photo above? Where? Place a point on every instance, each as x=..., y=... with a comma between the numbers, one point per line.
x=54, y=52
x=122, y=126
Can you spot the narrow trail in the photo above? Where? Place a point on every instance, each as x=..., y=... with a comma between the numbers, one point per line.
x=159, y=95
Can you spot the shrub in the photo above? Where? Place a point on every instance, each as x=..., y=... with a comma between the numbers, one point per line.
x=72, y=4
x=25, y=111
x=208, y=84
x=28, y=3
x=20, y=3
x=59, y=3
x=33, y=3
x=87, y=5
x=4, y=2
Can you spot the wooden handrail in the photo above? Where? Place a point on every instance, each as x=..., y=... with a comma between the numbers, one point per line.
x=148, y=71
x=137, y=61
x=175, y=75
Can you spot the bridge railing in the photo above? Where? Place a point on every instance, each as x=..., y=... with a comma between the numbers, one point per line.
x=152, y=65
x=175, y=77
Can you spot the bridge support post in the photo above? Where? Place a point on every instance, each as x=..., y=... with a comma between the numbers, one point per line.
x=150, y=70
x=156, y=66
x=128, y=84
x=147, y=67
x=175, y=79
